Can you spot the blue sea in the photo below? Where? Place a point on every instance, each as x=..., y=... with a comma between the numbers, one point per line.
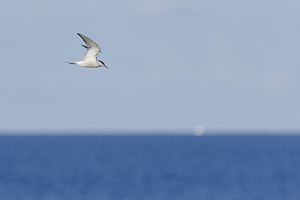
x=149, y=167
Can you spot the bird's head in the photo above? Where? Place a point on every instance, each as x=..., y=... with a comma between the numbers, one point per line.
x=103, y=63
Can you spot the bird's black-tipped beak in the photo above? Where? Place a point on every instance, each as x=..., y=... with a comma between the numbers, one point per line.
x=105, y=66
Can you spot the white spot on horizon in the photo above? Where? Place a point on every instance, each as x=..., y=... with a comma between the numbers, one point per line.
x=199, y=130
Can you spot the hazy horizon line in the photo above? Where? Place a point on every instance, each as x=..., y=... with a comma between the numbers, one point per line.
x=146, y=132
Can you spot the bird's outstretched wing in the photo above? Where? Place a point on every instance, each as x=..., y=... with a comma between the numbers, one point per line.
x=93, y=49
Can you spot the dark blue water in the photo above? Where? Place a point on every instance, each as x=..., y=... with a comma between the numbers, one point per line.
x=149, y=167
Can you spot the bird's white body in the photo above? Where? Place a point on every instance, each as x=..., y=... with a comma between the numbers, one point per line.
x=90, y=57
x=89, y=63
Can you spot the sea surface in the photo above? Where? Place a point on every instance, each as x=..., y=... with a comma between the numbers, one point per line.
x=149, y=167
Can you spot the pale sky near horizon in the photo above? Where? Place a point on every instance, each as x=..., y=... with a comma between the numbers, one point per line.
x=226, y=65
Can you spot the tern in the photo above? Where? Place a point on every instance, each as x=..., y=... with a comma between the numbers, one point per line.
x=90, y=56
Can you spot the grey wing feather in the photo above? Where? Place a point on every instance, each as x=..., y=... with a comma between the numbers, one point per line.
x=93, y=49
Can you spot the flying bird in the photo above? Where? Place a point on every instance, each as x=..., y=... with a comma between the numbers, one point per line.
x=90, y=56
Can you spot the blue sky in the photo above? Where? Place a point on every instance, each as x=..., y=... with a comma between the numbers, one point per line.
x=227, y=65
